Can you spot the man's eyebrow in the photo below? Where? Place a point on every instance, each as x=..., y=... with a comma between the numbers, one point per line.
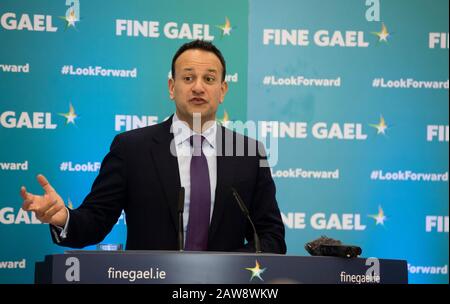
x=211, y=70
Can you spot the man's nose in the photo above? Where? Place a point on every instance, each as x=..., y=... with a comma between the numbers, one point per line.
x=198, y=86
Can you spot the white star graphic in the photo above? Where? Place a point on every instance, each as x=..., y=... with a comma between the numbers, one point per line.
x=70, y=116
x=380, y=217
x=383, y=36
x=381, y=129
x=381, y=126
x=226, y=28
x=71, y=20
x=227, y=31
x=256, y=271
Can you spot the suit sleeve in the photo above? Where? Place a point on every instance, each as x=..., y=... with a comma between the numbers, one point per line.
x=95, y=217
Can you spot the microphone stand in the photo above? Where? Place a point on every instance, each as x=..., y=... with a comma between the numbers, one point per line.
x=247, y=214
x=180, y=220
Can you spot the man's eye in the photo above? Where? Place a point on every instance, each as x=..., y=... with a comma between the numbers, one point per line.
x=210, y=79
x=187, y=78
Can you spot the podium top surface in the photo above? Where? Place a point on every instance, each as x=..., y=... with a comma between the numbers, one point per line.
x=157, y=252
x=215, y=253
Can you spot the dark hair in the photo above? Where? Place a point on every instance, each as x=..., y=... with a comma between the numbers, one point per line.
x=199, y=45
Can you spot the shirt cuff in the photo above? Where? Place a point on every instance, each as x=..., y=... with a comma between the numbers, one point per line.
x=60, y=233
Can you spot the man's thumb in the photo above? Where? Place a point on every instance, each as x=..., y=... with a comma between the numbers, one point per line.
x=45, y=184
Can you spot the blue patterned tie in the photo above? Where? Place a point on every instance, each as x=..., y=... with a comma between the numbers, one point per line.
x=200, y=205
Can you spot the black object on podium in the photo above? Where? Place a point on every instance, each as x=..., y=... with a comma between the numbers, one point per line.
x=173, y=267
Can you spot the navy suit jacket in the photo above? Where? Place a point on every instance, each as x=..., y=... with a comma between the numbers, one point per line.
x=141, y=176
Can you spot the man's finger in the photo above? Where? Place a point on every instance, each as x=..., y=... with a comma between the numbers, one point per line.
x=45, y=184
x=27, y=205
x=28, y=199
x=51, y=212
x=24, y=194
x=43, y=207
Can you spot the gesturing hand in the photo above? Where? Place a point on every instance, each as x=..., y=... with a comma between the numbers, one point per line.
x=49, y=208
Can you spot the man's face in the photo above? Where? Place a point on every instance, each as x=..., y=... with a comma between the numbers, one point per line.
x=198, y=86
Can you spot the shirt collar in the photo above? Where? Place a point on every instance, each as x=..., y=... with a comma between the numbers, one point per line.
x=182, y=132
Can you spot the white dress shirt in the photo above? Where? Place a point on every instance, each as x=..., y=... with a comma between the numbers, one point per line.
x=182, y=134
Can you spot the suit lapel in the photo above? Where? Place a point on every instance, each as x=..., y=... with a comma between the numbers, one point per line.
x=167, y=167
x=225, y=176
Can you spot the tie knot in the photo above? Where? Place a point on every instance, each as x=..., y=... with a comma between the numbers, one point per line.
x=197, y=141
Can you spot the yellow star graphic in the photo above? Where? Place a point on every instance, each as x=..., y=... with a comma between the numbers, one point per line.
x=225, y=119
x=256, y=271
x=71, y=19
x=70, y=116
x=380, y=217
x=226, y=28
x=69, y=203
x=383, y=34
x=381, y=126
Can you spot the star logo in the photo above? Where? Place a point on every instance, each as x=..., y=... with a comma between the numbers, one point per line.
x=70, y=19
x=383, y=34
x=256, y=271
x=69, y=204
x=380, y=217
x=70, y=116
x=224, y=121
x=226, y=28
x=381, y=126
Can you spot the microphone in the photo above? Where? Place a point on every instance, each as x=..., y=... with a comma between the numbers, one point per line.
x=180, y=219
x=247, y=214
x=325, y=246
x=343, y=251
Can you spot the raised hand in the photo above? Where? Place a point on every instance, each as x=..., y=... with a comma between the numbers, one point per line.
x=49, y=208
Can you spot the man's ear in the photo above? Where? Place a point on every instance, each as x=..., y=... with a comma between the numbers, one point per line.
x=171, y=85
x=224, y=90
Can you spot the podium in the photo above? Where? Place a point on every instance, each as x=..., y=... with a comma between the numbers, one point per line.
x=173, y=267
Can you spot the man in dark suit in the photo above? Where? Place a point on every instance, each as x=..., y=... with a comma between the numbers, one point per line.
x=146, y=168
